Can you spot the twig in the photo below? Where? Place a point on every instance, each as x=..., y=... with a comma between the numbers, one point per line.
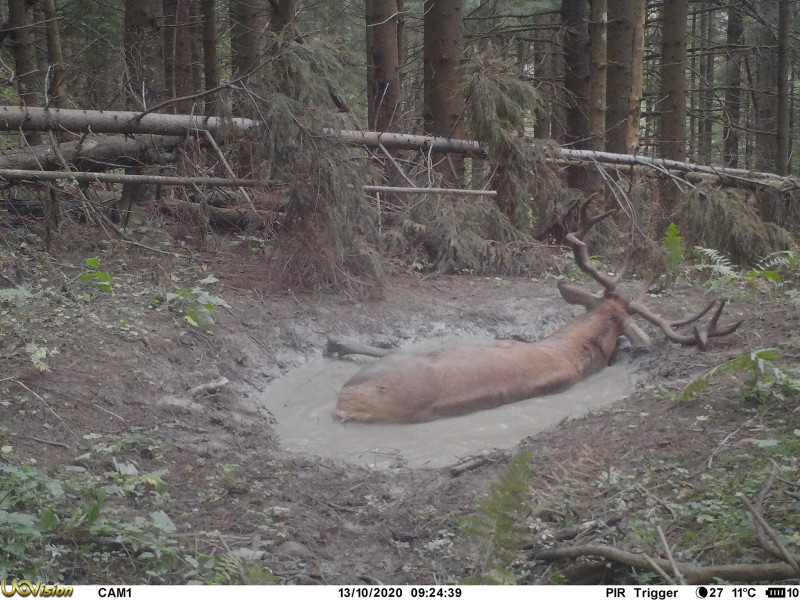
x=784, y=553
x=661, y=572
x=43, y=401
x=396, y=165
x=720, y=446
x=672, y=562
x=51, y=442
x=227, y=166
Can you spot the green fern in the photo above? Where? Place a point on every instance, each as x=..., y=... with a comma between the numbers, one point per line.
x=499, y=522
x=674, y=253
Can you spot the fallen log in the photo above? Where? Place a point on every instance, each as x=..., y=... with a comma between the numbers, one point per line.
x=95, y=121
x=95, y=153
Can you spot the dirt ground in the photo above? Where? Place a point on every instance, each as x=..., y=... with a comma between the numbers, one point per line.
x=100, y=384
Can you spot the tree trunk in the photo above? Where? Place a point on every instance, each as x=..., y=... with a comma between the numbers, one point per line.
x=706, y=80
x=443, y=49
x=383, y=65
x=13, y=118
x=784, y=89
x=57, y=90
x=766, y=99
x=597, y=88
x=245, y=18
x=208, y=13
x=733, y=84
x=281, y=20
x=144, y=57
x=179, y=29
x=624, y=81
x=575, y=19
x=29, y=79
x=673, y=80
x=144, y=53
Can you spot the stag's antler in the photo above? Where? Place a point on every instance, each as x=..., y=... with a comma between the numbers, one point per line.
x=699, y=337
x=581, y=251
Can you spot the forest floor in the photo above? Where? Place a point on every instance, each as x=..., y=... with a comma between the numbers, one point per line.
x=116, y=470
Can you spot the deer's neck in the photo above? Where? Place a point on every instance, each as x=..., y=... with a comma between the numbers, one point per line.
x=590, y=340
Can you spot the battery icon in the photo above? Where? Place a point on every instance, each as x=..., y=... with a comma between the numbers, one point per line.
x=775, y=592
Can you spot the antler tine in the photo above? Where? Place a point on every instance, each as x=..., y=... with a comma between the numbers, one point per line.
x=581, y=251
x=699, y=336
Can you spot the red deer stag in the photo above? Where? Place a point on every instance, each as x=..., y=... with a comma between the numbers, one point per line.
x=408, y=388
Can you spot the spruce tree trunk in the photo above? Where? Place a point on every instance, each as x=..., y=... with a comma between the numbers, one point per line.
x=575, y=19
x=597, y=88
x=383, y=65
x=706, y=81
x=443, y=49
x=178, y=54
x=143, y=39
x=733, y=83
x=246, y=19
x=784, y=89
x=57, y=90
x=281, y=20
x=208, y=15
x=28, y=77
x=624, y=80
x=673, y=80
x=673, y=96
x=766, y=99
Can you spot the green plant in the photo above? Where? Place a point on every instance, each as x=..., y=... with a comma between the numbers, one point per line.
x=196, y=304
x=674, y=253
x=763, y=377
x=102, y=279
x=499, y=522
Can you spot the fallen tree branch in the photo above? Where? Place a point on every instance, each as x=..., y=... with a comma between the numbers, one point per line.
x=337, y=347
x=770, y=532
x=692, y=573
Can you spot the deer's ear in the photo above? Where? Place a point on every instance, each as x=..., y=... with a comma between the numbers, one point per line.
x=636, y=334
x=575, y=294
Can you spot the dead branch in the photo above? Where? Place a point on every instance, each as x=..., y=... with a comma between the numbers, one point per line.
x=692, y=573
x=337, y=347
x=89, y=177
x=770, y=532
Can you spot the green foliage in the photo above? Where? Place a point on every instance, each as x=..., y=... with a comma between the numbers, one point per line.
x=197, y=304
x=38, y=512
x=674, y=253
x=762, y=378
x=499, y=522
x=102, y=279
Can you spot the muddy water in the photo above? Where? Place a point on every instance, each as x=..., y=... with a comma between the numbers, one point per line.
x=303, y=400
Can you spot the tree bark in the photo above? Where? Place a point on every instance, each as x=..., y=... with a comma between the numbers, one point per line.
x=208, y=14
x=88, y=121
x=575, y=19
x=281, y=20
x=673, y=79
x=443, y=49
x=57, y=90
x=733, y=84
x=784, y=89
x=383, y=65
x=179, y=28
x=706, y=82
x=144, y=53
x=246, y=19
x=766, y=99
x=27, y=75
x=624, y=82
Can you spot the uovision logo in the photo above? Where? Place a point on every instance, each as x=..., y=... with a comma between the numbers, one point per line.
x=24, y=588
